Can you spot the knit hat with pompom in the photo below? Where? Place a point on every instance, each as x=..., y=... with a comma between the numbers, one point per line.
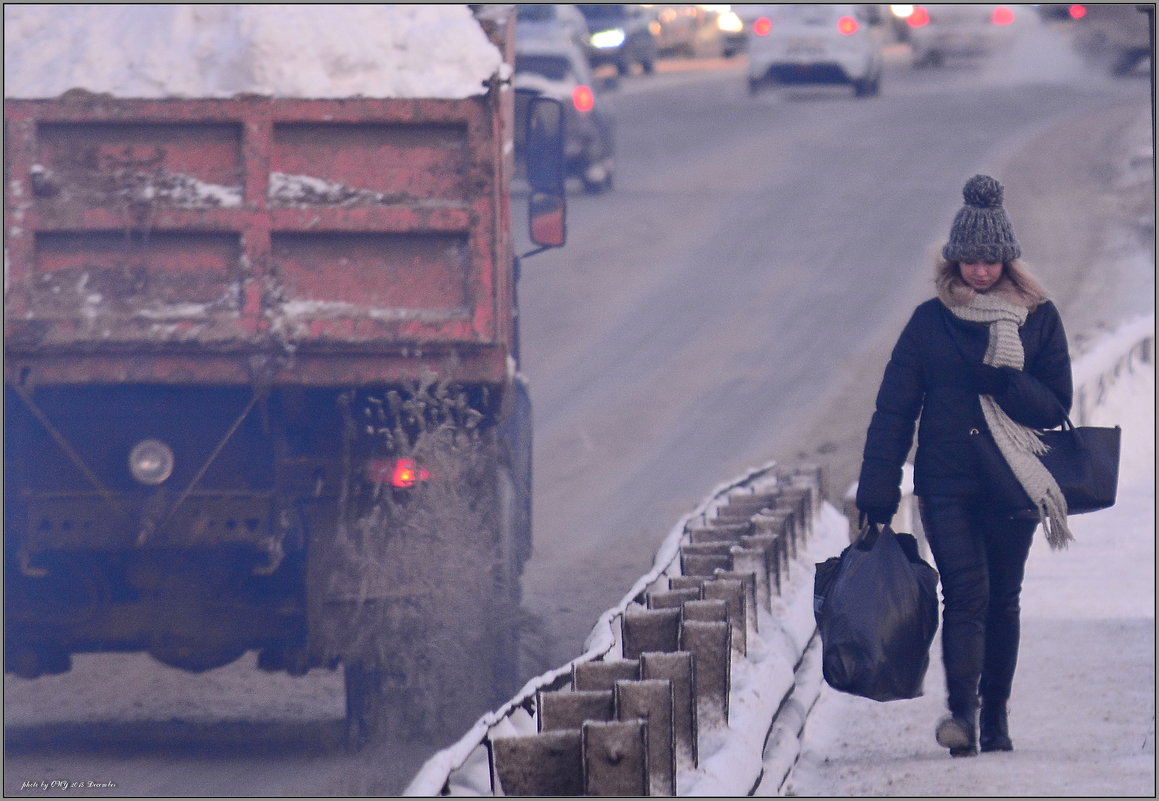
x=981, y=229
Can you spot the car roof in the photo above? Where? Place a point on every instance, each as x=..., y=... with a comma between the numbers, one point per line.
x=548, y=41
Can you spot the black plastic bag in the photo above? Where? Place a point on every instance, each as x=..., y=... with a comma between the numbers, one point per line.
x=876, y=607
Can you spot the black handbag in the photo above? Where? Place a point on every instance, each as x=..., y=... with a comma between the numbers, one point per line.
x=1084, y=461
x=876, y=608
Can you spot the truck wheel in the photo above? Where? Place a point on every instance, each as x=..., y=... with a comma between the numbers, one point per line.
x=367, y=706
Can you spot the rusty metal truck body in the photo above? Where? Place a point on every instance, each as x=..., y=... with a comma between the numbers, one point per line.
x=246, y=342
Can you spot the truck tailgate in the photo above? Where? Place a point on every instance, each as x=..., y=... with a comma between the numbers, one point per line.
x=337, y=239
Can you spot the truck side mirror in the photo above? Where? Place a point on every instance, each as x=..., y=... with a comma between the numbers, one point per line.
x=547, y=204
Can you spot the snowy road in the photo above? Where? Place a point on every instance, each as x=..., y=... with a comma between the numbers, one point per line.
x=731, y=301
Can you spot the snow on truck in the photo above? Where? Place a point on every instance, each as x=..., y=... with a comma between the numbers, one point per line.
x=262, y=387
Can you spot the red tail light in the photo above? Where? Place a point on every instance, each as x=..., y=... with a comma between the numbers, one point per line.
x=1077, y=11
x=582, y=98
x=400, y=473
x=1003, y=15
x=919, y=18
x=762, y=26
x=847, y=26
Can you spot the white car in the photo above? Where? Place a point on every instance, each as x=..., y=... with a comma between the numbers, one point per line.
x=938, y=32
x=816, y=44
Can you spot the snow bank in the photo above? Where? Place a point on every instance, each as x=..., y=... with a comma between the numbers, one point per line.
x=325, y=51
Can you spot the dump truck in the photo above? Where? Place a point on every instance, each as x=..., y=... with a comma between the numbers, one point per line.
x=262, y=388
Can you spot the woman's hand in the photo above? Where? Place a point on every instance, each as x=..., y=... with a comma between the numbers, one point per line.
x=877, y=515
x=988, y=380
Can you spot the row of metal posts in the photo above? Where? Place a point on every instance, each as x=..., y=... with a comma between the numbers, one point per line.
x=630, y=723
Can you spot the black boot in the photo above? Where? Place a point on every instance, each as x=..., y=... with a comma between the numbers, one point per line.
x=995, y=734
x=958, y=735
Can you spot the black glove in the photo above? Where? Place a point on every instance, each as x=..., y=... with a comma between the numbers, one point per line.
x=988, y=380
x=877, y=515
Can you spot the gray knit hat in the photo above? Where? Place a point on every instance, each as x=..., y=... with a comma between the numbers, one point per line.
x=981, y=229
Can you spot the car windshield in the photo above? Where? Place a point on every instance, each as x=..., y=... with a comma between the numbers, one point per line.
x=553, y=68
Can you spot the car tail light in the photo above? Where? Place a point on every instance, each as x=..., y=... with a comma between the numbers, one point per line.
x=400, y=473
x=919, y=18
x=1002, y=15
x=1077, y=11
x=762, y=26
x=583, y=98
x=847, y=26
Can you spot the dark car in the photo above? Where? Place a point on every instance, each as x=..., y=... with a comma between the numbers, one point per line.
x=621, y=35
x=555, y=67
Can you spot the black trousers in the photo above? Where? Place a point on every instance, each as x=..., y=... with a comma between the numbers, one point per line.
x=981, y=559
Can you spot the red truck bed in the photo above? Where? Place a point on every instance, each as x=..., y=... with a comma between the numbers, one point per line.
x=319, y=241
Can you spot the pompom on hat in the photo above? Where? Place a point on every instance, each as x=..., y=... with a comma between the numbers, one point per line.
x=981, y=230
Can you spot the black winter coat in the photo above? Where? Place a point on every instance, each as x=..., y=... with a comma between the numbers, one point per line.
x=928, y=375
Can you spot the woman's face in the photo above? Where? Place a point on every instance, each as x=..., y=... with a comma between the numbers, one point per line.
x=981, y=275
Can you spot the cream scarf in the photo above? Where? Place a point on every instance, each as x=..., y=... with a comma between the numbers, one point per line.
x=1003, y=312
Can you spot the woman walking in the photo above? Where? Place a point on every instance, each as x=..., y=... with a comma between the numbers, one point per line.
x=989, y=352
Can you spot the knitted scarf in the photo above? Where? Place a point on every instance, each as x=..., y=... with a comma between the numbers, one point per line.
x=1019, y=444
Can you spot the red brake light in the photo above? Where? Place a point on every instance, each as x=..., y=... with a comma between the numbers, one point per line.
x=1003, y=15
x=582, y=98
x=847, y=26
x=762, y=26
x=401, y=473
x=919, y=18
x=1077, y=11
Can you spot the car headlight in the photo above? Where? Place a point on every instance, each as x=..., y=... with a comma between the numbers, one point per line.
x=608, y=39
x=151, y=461
x=729, y=22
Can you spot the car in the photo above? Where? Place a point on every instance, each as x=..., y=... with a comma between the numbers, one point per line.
x=554, y=66
x=730, y=27
x=622, y=36
x=676, y=29
x=700, y=31
x=810, y=43
x=538, y=20
x=938, y=33
x=1115, y=37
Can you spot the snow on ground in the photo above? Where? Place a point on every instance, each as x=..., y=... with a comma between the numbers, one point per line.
x=218, y=50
